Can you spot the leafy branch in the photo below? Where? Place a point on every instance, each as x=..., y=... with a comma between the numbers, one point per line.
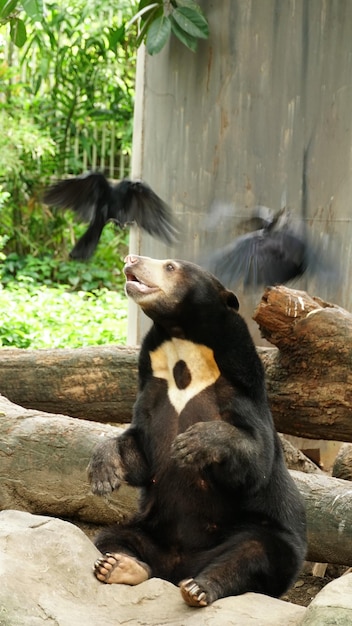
x=11, y=11
x=156, y=21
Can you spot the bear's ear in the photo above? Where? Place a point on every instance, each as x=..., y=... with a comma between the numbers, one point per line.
x=231, y=300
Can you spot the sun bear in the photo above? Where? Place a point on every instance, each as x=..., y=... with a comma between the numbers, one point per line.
x=219, y=513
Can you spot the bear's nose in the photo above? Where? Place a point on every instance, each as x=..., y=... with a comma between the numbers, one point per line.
x=131, y=259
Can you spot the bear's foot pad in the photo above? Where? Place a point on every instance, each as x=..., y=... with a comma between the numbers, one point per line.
x=122, y=569
x=192, y=594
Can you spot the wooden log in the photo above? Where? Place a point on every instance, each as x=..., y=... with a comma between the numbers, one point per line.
x=309, y=376
x=329, y=517
x=43, y=460
x=94, y=383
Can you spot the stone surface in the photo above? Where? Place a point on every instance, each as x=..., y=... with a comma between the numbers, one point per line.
x=332, y=606
x=46, y=579
x=342, y=467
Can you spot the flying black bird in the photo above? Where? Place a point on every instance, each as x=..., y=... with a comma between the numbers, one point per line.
x=274, y=253
x=95, y=200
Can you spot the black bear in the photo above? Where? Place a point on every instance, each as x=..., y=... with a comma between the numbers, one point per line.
x=219, y=512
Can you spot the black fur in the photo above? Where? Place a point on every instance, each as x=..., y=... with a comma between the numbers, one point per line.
x=277, y=251
x=95, y=200
x=217, y=502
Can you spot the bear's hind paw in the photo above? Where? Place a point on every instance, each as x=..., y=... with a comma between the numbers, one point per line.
x=192, y=594
x=120, y=569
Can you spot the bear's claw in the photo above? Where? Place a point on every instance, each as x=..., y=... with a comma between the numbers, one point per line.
x=192, y=594
x=121, y=569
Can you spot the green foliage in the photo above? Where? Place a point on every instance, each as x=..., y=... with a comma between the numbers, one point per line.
x=74, y=65
x=34, y=316
x=89, y=308
x=83, y=71
x=75, y=68
x=103, y=270
x=23, y=144
x=25, y=151
x=9, y=12
x=72, y=72
x=4, y=195
x=27, y=160
x=158, y=19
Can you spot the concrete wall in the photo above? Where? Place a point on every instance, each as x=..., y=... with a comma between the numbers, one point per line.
x=260, y=114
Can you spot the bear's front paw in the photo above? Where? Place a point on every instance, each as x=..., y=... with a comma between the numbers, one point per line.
x=105, y=470
x=195, y=447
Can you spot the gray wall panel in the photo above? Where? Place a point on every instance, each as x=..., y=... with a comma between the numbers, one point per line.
x=260, y=114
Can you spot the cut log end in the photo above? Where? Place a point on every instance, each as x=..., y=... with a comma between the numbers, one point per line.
x=281, y=309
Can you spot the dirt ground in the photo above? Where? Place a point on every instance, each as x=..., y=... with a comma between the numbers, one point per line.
x=308, y=585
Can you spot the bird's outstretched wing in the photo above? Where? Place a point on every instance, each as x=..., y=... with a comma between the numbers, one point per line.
x=95, y=200
x=82, y=194
x=260, y=258
x=136, y=202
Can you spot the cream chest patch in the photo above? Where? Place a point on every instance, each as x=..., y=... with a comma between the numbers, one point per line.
x=187, y=367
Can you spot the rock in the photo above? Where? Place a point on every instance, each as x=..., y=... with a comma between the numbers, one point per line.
x=342, y=467
x=295, y=459
x=332, y=606
x=46, y=579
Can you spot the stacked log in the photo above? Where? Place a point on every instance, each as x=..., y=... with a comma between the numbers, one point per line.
x=44, y=453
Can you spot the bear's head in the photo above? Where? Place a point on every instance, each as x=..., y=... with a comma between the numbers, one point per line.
x=175, y=291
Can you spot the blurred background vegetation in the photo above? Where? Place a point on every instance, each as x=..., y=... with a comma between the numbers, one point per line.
x=67, y=74
x=66, y=106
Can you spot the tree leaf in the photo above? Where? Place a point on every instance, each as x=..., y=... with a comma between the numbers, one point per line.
x=6, y=7
x=116, y=35
x=191, y=21
x=146, y=22
x=18, y=32
x=34, y=9
x=144, y=9
x=147, y=5
x=158, y=34
x=191, y=4
x=185, y=38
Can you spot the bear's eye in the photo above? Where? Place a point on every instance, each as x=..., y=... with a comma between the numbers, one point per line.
x=170, y=267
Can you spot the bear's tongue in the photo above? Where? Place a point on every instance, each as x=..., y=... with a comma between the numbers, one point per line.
x=142, y=286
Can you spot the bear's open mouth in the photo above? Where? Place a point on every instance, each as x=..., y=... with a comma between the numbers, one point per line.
x=131, y=277
x=136, y=283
